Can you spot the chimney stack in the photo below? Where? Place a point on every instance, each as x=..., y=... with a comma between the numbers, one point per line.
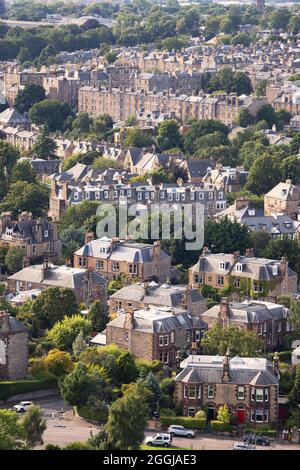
x=89, y=236
x=249, y=253
x=224, y=308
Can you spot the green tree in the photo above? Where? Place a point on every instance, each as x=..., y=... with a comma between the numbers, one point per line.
x=240, y=342
x=280, y=18
x=245, y=118
x=98, y=316
x=127, y=368
x=78, y=386
x=226, y=236
x=267, y=113
x=259, y=241
x=8, y=157
x=23, y=171
x=54, y=113
x=153, y=391
x=79, y=344
x=200, y=128
x=137, y=138
x=29, y=96
x=64, y=332
x=14, y=259
x=261, y=87
x=23, y=196
x=168, y=135
x=45, y=146
x=34, y=426
x=257, y=183
x=53, y=304
x=226, y=26
x=77, y=215
x=290, y=168
x=294, y=24
x=12, y=433
x=294, y=397
x=127, y=419
x=82, y=123
x=58, y=363
x=231, y=82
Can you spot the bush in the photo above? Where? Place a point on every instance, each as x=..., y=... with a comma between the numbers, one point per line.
x=200, y=414
x=263, y=431
x=188, y=422
x=218, y=426
x=166, y=412
x=89, y=413
x=8, y=389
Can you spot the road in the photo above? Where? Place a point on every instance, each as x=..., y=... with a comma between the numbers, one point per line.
x=63, y=427
x=201, y=442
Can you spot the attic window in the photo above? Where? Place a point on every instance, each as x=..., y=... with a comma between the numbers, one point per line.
x=275, y=270
x=239, y=267
x=102, y=249
x=222, y=265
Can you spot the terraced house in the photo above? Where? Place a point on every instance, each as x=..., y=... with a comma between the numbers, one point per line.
x=248, y=386
x=257, y=277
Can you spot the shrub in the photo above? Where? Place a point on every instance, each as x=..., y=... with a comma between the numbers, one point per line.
x=188, y=422
x=263, y=430
x=200, y=414
x=8, y=389
x=166, y=412
x=218, y=426
x=89, y=413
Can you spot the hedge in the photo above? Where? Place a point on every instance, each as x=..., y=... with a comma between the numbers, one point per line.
x=221, y=427
x=8, y=389
x=191, y=423
x=262, y=432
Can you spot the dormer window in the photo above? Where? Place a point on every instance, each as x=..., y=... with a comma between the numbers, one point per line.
x=222, y=265
x=275, y=270
x=102, y=249
x=239, y=267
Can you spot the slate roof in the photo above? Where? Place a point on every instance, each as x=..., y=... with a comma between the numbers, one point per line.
x=56, y=276
x=11, y=117
x=124, y=250
x=242, y=370
x=253, y=311
x=158, y=320
x=163, y=294
x=27, y=229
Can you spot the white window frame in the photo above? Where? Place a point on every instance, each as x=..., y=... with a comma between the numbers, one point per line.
x=210, y=391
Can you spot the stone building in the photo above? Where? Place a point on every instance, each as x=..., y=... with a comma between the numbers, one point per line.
x=268, y=320
x=147, y=294
x=38, y=237
x=13, y=348
x=257, y=277
x=248, y=386
x=156, y=333
x=112, y=257
x=284, y=198
x=87, y=285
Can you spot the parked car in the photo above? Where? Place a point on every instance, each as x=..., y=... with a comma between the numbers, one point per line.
x=22, y=406
x=242, y=446
x=259, y=440
x=175, y=430
x=161, y=440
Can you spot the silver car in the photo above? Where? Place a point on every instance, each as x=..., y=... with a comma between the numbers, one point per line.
x=242, y=446
x=175, y=430
x=22, y=406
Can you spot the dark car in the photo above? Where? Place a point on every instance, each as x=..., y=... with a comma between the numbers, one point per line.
x=259, y=440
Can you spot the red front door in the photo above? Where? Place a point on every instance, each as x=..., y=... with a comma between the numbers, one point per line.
x=241, y=416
